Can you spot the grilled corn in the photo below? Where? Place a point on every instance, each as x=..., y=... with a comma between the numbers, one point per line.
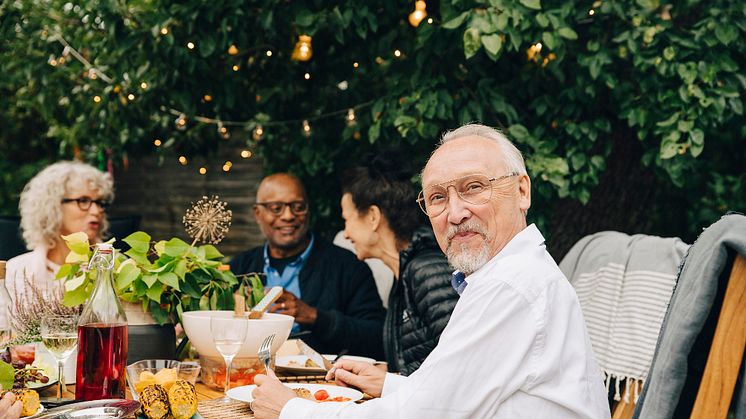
x=183, y=399
x=154, y=400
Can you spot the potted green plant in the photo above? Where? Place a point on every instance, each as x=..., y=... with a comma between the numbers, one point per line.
x=162, y=279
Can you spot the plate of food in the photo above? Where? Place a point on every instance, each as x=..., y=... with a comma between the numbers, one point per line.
x=301, y=364
x=316, y=392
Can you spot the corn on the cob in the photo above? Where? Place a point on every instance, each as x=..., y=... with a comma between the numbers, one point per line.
x=183, y=399
x=154, y=402
x=29, y=399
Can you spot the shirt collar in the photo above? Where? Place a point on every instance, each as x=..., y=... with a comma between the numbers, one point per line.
x=301, y=258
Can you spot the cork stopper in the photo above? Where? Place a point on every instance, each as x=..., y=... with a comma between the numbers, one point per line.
x=2, y=269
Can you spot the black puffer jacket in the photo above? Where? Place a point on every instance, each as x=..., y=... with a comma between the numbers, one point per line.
x=420, y=303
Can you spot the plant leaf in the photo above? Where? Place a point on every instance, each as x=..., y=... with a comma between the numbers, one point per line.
x=567, y=33
x=532, y=4
x=7, y=375
x=175, y=247
x=154, y=292
x=170, y=279
x=138, y=241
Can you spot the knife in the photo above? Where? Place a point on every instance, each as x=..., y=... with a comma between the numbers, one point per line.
x=313, y=355
x=108, y=408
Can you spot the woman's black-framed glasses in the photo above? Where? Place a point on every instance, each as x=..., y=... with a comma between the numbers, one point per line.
x=475, y=189
x=84, y=203
x=276, y=208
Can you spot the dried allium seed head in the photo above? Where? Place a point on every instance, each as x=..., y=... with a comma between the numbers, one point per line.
x=208, y=220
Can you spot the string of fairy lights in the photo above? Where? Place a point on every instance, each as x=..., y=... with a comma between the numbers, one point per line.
x=302, y=51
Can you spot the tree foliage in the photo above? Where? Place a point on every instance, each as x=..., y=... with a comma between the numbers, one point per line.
x=560, y=77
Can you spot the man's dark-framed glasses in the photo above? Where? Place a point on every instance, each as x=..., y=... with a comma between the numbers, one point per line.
x=276, y=208
x=84, y=203
x=475, y=189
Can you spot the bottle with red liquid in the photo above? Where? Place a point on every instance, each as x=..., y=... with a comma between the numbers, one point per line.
x=102, y=335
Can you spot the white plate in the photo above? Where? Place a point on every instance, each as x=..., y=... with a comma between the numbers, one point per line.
x=243, y=394
x=38, y=412
x=297, y=363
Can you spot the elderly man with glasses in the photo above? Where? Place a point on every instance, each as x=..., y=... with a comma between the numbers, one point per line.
x=515, y=345
x=329, y=292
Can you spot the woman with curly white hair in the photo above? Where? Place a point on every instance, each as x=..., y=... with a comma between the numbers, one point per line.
x=66, y=197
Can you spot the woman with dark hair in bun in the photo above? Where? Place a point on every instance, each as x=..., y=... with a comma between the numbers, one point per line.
x=383, y=221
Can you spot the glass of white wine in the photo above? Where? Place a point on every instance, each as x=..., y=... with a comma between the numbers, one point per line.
x=60, y=337
x=229, y=335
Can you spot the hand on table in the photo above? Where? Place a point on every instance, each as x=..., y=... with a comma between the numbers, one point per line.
x=10, y=408
x=270, y=396
x=361, y=375
x=291, y=305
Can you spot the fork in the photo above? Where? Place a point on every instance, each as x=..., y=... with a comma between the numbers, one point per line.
x=265, y=351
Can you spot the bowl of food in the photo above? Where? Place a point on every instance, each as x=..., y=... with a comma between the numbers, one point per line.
x=197, y=327
x=164, y=372
x=243, y=371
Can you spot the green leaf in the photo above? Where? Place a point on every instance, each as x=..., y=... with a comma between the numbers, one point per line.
x=670, y=121
x=170, y=279
x=176, y=247
x=204, y=303
x=160, y=247
x=518, y=131
x=550, y=41
x=190, y=287
x=567, y=33
x=126, y=276
x=492, y=43
x=139, y=241
x=532, y=4
x=75, y=298
x=668, y=149
x=7, y=375
x=457, y=21
x=149, y=280
x=726, y=34
x=154, y=292
x=211, y=252
x=77, y=243
x=64, y=271
x=697, y=136
x=138, y=257
x=472, y=42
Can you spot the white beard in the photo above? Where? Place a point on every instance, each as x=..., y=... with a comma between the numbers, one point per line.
x=468, y=261
x=462, y=258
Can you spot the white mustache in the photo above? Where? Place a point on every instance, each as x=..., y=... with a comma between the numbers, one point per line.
x=467, y=226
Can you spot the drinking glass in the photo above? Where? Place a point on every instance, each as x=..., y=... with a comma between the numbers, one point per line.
x=60, y=336
x=229, y=335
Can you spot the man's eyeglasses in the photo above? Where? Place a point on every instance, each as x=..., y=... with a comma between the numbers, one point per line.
x=84, y=203
x=474, y=189
x=276, y=208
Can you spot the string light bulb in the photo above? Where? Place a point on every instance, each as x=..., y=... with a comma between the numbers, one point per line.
x=397, y=53
x=245, y=154
x=227, y=166
x=181, y=122
x=157, y=142
x=202, y=170
x=350, y=118
x=258, y=133
x=207, y=97
x=303, y=50
x=355, y=64
x=419, y=13
x=307, y=76
x=430, y=20
x=306, y=128
x=131, y=97
x=223, y=131
x=183, y=160
x=232, y=50
x=190, y=45
x=269, y=53
x=164, y=31
x=143, y=85
x=97, y=98
x=236, y=67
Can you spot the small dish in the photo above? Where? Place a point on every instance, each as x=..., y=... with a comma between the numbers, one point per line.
x=296, y=364
x=159, y=371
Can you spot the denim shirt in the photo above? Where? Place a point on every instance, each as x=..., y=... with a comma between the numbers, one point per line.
x=289, y=280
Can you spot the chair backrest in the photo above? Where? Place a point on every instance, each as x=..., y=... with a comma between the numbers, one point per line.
x=11, y=242
x=624, y=284
x=700, y=349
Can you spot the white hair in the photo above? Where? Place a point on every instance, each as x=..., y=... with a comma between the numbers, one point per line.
x=511, y=155
x=41, y=200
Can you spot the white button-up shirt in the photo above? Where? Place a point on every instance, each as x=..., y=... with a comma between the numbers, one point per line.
x=515, y=347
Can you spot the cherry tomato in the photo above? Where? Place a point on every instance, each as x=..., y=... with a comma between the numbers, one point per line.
x=321, y=395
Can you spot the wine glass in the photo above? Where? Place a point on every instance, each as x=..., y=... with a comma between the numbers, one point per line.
x=229, y=335
x=60, y=337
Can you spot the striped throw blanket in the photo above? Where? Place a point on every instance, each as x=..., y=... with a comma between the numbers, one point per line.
x=624, y=284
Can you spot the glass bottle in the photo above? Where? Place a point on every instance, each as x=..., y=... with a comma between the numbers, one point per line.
x=102, y=335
